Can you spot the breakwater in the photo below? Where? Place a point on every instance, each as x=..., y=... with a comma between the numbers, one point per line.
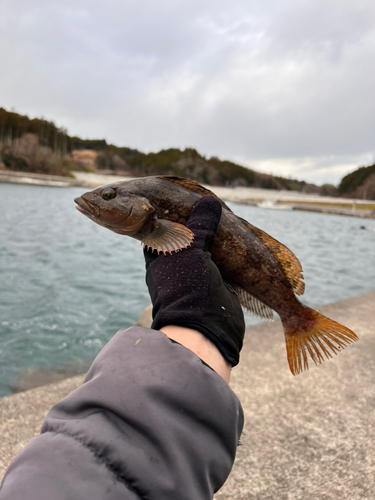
x=241, y=195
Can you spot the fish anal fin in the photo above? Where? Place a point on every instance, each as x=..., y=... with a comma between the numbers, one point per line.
x=168, y=237
x=317, y=338
x=289, y=263
x=253, y=305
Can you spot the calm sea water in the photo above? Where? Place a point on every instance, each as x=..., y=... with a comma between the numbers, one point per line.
x=67, y=285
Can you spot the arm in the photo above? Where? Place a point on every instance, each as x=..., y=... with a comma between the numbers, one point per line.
x=200, y=345
x=154, y=418
x=150, y=421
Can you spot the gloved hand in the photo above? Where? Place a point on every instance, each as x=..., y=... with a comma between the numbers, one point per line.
x=187, y=289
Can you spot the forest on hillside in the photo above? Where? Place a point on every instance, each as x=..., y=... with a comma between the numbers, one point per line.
x=359, y=184
x=38, y=145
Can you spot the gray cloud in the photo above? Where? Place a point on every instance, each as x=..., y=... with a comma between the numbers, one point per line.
x=284, y=87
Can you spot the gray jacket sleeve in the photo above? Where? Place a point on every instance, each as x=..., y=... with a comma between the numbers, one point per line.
x=151, y=421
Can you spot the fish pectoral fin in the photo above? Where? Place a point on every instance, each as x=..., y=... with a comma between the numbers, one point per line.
x=313, y=335
x=168, y=237
x=289, y=263
x=253, y=305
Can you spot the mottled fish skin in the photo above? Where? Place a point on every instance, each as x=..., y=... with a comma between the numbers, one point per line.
x=265, y=273
x=240, y=255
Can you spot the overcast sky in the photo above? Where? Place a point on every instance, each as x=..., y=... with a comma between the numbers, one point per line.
x=286, y=87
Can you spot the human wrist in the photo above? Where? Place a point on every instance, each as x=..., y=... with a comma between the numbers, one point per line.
x=196, y=342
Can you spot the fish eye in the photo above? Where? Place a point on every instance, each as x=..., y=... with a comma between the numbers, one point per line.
x=108, y=194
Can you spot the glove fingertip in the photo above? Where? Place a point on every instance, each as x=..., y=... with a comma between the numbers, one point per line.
x=209, y=203
x=206, y=207
x=204, y=220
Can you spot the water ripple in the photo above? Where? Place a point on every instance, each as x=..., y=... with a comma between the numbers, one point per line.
x=67, y=285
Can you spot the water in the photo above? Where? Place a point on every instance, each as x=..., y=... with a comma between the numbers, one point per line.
x=67, y=285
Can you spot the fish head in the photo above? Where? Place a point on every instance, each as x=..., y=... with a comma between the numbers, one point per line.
x=122, y=212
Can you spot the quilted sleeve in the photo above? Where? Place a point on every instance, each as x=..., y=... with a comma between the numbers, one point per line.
x=150, y=421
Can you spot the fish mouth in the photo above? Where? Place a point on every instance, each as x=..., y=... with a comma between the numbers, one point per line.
x=87, y=208
x=91, y=211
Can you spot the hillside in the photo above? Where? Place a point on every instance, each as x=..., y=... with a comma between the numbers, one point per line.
x=359, y=184
x=38, y=145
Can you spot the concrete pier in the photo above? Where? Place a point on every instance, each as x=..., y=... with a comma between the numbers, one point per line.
x=310, y=437
x=243, y=195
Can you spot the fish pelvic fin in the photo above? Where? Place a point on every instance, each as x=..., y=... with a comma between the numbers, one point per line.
x=253, y=305
x=168, y=237
x=313, y=336
x=289, y=263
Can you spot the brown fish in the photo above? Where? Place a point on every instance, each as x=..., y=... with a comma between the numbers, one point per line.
x=265, y=273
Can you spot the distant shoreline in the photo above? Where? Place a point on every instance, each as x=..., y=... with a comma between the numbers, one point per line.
x=240, y=195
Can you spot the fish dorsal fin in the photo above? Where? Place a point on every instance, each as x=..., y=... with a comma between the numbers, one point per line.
x=253, y=305
x=289, y=263
x=192, y=185
x=168, y=237
x=187, y=183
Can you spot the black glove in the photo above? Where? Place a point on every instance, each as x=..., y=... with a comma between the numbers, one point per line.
x=187, y=289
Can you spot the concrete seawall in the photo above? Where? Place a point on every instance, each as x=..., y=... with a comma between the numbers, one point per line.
x=247, y=196
x=310, y=437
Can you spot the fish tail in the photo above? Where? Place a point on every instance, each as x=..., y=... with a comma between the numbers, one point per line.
x=312, y=335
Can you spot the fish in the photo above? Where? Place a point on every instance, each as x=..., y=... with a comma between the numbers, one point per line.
x=264, y=273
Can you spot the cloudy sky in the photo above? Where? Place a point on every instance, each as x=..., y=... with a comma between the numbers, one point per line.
x=286, y=87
